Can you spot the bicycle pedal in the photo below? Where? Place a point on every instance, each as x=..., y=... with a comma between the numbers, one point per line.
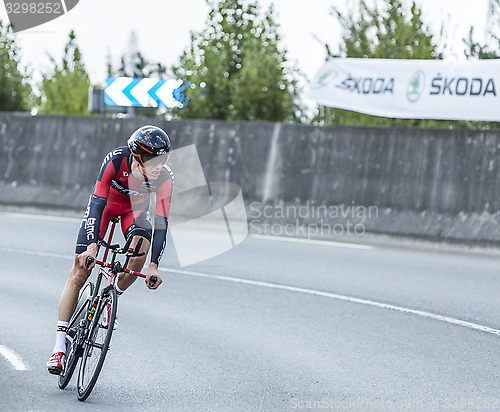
x=55, y=370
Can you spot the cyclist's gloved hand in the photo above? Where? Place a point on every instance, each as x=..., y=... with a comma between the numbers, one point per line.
x=153, y=271
x=82, y=258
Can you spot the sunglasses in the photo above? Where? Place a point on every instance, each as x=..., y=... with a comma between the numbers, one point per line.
x=150, y=160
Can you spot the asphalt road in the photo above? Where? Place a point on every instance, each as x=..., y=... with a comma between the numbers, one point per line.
x=270, y=325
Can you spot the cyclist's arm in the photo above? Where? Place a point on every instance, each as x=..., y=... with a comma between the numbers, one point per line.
x=99, y=198
x=159, y=239
x=93, y=221
x=158, y=246
x=163, y=200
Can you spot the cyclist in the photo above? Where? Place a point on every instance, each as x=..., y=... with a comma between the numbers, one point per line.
x=127, y=177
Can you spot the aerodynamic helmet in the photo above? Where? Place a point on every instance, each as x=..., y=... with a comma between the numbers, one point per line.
x=148, y=142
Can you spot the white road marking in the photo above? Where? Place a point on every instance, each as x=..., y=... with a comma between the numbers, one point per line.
x=41, y=217
x=274, y=238
x=345, y=298
x=446, y=319
x=313, y=242
x=35, y=253
x=13, y=358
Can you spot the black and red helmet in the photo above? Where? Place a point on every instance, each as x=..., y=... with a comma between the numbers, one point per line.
x=148, y=141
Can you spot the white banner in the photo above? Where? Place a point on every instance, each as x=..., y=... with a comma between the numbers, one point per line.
x=416, y=89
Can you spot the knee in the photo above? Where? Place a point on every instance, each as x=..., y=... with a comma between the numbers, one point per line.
x=137, y=263
x=78, y=277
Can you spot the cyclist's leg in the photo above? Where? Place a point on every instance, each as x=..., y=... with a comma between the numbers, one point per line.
x=69, y=297
x=135, y=225
x=78, y=275
x=67, y=305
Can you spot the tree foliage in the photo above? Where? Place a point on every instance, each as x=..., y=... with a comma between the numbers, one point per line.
x=235, y=69
x=476, y=50
x=14, y=90
x=134, y=64
x=391, y=32
x=486, y=51
x=491, y=50
x=64, y=89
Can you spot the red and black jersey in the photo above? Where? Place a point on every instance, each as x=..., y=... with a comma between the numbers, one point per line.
x=117, y=188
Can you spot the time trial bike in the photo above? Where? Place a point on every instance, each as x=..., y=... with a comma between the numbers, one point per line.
x=91, y=326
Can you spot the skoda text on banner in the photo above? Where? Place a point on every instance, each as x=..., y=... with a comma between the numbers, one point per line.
x=416, y=89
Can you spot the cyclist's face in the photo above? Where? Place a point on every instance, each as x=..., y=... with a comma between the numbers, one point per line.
x=154, y=165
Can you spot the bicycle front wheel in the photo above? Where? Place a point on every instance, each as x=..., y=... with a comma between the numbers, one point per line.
x=71, y=349
x=97, y=344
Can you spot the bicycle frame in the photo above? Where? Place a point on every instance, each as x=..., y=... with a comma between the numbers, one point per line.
x=110, y=270
x=84, y=337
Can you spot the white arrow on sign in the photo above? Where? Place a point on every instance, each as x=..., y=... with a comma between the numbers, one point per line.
x=140, y=92
x=115, y=91
x=166, y=93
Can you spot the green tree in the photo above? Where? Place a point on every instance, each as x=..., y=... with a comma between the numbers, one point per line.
x=488, y=50
x=14, y=89
x=64, y=90
x=392, y=32
x=235, y=69
x=476, y=50
x=134, y=64
x=491, y=49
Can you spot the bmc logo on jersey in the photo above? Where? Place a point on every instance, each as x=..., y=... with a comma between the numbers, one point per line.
x=161, y=152
x=110, y=155
x=124, y=190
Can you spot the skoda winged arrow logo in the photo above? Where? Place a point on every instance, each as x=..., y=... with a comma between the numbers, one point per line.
x=24, y=14
x=416, y=86
x=323, y=77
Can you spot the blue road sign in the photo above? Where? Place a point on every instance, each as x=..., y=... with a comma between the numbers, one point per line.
x=138, y=92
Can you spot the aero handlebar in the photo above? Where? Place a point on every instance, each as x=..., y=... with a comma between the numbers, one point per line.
x=90, y=260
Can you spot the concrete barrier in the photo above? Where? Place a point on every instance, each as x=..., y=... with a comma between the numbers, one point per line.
x=419, y=182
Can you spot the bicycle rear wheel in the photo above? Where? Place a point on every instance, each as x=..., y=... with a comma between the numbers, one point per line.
x=97, y=344
x=72, y=352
